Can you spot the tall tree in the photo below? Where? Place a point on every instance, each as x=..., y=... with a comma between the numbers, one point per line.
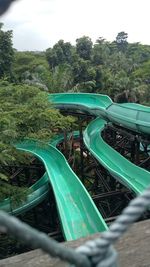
x=100, y=51
x=121, y=41
x=84, y=47
x=25, y=113
x=6, y=52
x=60, y=53
x=82, y=71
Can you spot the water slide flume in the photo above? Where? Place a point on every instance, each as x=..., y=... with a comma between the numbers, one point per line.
x=89, y=103
x=78, y=214
x=129, y=115
x=39, y=191
x=119, y=167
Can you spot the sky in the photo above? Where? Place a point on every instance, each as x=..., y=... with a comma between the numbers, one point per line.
x=39, y=24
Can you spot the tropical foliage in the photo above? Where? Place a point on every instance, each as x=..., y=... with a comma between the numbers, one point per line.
x=28, y=77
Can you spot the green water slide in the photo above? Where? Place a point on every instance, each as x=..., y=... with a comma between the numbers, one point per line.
x=78, y=213
x=129, y=115
x=89, y=103
x=119, y=167
x=38, y=192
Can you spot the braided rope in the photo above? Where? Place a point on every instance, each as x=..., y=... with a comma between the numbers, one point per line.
x=97, y=250
x=37, y=239
x=4, y=5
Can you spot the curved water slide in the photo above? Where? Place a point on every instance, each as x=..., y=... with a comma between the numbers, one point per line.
x=131, y=116
x=93, y=104
x=38, y=192
x=78, y=214
x=119, y=167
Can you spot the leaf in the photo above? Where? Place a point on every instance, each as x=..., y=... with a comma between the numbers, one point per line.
x=3, y=177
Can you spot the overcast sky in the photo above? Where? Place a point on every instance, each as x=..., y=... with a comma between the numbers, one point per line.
x=39, y=24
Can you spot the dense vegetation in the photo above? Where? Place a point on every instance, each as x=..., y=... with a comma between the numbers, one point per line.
x=25, y=112
x=26, y=77
x=103, y=67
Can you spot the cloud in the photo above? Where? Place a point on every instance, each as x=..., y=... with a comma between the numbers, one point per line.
x=38, y=24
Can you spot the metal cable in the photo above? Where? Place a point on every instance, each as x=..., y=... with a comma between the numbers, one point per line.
x=4, y=5
x=37, y=239
x=97, y=250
